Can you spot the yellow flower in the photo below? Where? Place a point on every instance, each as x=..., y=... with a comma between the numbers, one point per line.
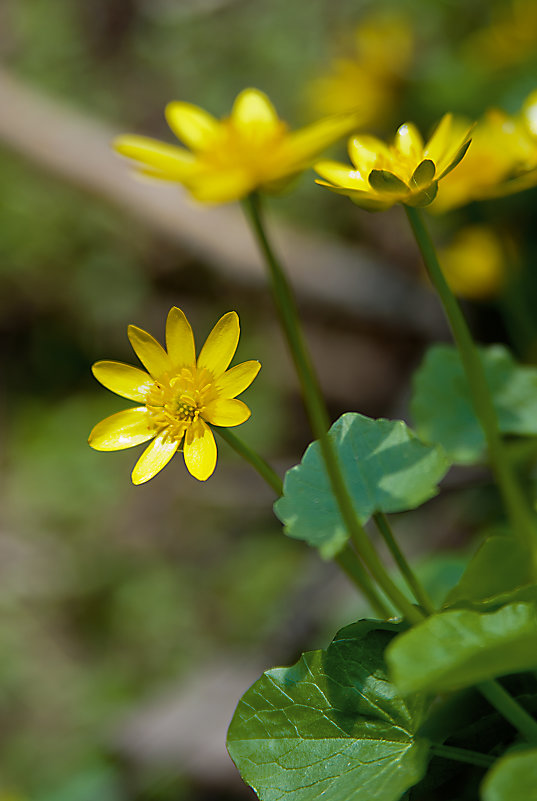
x=227, y=159
x=366, y=80
x=406, y=172
x=180, y=395
x=474, y=264
x=501, y=161
x=509, y=39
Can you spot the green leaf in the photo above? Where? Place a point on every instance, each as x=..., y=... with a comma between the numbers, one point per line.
x=512, y=778
x=386, y=467
x=455, y=649
x=331, y=727
x=443, y=410
x=500, y=566
x=385, y=181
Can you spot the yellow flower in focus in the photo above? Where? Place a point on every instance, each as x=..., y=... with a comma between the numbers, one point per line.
x=474, y=263
x=501, y=161
x=405, y=172
x=179, y=395
x=230, y=158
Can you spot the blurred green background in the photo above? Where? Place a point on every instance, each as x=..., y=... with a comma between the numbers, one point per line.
x=110, y=593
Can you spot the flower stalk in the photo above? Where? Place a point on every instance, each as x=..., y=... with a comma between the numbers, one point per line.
x=510, y=709
x=318, y=415
x=348, y=560
x=515, y=502
x=408, y=574
x=252, y=457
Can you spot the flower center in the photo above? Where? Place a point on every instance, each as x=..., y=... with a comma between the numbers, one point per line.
x=250, y=146
x=176, y=402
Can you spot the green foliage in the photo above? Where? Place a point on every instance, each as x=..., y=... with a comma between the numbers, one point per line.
x=500, y=568
x=332, y=726
x=386, y=467
x=461, y=647
x=513, y=778
x=443, y=411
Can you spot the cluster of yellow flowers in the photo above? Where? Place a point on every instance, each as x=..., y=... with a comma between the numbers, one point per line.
x=251, y=150
x=502, y=159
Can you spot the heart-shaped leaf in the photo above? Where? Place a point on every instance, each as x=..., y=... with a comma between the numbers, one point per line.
x=331, y=727
x=386, y=468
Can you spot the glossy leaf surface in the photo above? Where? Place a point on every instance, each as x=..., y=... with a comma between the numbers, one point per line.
x=331, y=727
x=461, y=647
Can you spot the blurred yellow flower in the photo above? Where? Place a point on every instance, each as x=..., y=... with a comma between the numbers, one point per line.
x=474, y=263
x=180, y=396
x=502, y=159
x=230, y=158
x=509, y=39
x=366, y=80
x=405, y=172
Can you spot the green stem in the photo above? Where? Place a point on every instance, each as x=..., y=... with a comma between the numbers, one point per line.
x=462, y=755
x=252, y=457
x=347, y=559
x=408, y=574
x=510, y=709
x=318, y=415
x=514, y=499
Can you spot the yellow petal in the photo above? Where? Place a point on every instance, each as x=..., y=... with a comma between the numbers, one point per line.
x=153, y=459
x=149, y=351
x=448, y=138
x=408, y=141
x=176, y=162
x=180, y=339
x=200, y=451
x=123, y=379
x=341, y=174
x=193, y=125
x=223, y=186
x=306, y=143
x=365, y=151
x=220, y=345
x=253, y=108
x=225, y=412
x=236, y=380
x=122, y=430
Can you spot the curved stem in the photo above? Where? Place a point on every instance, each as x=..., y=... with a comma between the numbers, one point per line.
x=511, y=710
x=408, y=574
x=462, y=755
x=515, y=502
x=318, y=415
x=252, y=457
